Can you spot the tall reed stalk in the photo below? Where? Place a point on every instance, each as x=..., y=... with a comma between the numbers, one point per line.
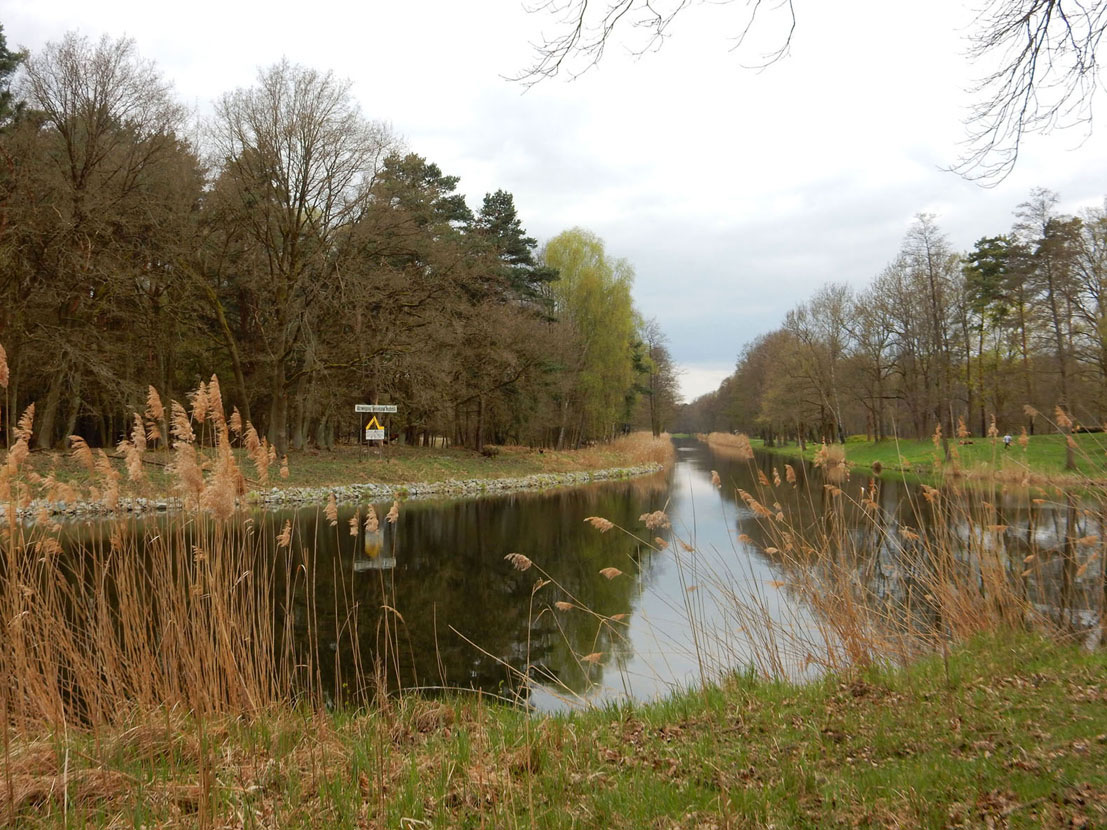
x=196, y=611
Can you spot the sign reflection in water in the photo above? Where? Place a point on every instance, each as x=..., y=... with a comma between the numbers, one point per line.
x=438, y=605
x=430, y=602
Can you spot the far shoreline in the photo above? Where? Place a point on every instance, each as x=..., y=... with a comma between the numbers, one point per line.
x=1038, y=462
x=350, y=475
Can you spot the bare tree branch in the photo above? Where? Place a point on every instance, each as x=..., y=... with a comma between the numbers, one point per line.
x=1040, y=59
x=585, y=28
x=1045, y=77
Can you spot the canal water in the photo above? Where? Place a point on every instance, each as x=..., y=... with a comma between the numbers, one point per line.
x=433, y=601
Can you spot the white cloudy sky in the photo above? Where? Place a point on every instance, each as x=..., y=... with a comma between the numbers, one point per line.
x=734, y=193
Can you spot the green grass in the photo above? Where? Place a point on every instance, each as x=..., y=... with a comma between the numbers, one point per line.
x=395, y=465
x=1014, y=734
x=1043, y=456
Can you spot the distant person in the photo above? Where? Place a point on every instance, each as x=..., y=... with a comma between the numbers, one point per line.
x=1007, y=441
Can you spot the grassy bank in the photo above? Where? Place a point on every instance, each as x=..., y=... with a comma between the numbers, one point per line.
x=150, y=680
x=401, y=465
x=1041, y=456
x=1013, y=732
x=355, y=465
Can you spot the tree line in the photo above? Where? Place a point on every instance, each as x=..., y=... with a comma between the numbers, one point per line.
x=296, y=249
x=1010, y=335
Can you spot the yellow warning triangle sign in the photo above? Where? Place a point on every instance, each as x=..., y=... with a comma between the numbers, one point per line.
x=373, y=423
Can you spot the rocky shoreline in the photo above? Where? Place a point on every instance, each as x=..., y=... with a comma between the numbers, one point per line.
x=277, y=498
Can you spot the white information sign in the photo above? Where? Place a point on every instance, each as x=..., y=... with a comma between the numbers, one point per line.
x=373, y=430
x=375, y=407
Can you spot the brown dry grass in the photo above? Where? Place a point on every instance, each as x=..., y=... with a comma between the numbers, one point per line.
x=85, y=788
x=1011, y=736
x=186, y=615
x=153, y=473
x=894, y=587
x=730, y=446
x=867, y=586
x=115, y=644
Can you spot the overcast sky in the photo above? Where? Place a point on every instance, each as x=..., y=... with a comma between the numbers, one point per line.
x=734, y=193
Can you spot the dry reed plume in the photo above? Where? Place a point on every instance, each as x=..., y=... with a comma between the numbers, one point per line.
x=729, y=446
x=881, y=589
x=869, y=585
x=633, y=449
x=191, y=613
x=832, y=459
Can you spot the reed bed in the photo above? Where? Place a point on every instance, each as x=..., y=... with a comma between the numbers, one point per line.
x=157, y=642
x=131, y=622
x=196, y=612
x=891, y=583
x=201, y=611
x=874, y=581
x=736, y=447
x=632, y=449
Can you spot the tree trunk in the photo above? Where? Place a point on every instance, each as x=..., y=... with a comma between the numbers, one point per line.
x=561, y=426
x=980, y=381
x=74, y=408
x=299, y=413
x=48, y=414
x=278, y=410
x=479, y=443
x=243, y=399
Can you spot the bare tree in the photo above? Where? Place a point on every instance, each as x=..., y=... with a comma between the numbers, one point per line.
x=1041, y=57
x=661, y=379
x=819, y=327
x=1045, y=76
x=103, y=172
x=584, y=31
x=871, y=331
x=1054, y=244
x=1091, y=309
x=936, y=271
x=297, y=160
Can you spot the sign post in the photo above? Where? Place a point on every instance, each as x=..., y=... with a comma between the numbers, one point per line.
x=373, y=430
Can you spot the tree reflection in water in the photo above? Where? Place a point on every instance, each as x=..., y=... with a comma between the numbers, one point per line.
x=849, y=573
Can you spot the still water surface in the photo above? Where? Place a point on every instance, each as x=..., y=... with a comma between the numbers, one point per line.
x=436, y=605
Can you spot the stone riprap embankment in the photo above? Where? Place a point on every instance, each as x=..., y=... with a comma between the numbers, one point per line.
x=470, y=487
x=277, y=498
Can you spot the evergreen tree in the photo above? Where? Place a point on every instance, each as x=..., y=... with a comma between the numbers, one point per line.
x=499, y=224
x=9, y=63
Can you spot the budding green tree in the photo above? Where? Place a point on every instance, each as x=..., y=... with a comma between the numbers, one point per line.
x=592, y=297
